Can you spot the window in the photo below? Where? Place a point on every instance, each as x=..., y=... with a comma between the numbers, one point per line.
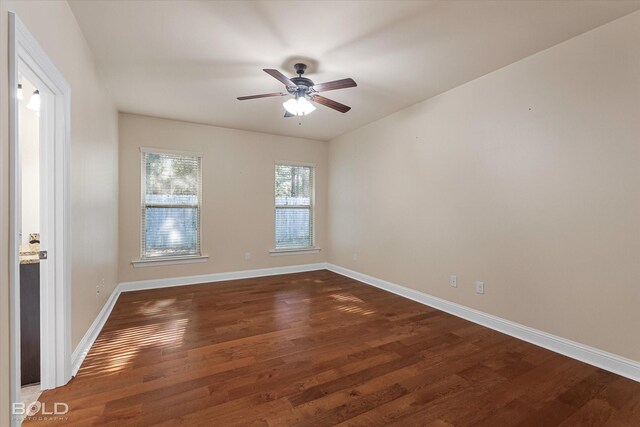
x=294, y=206
x=171, y=195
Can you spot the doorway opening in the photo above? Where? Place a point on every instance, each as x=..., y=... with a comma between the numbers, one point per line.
x=29, y=101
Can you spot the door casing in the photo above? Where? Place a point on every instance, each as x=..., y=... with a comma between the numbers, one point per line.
x=28, y=58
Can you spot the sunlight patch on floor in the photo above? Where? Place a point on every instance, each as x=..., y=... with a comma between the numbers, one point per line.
x=354, y=309
x=114, y=351
x=157, y=306
x=346, y=298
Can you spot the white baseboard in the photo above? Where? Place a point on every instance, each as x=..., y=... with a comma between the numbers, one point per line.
x=90, y=336
x=584, y=353
x=217, y=277
x=593, y=356
x=94, y=330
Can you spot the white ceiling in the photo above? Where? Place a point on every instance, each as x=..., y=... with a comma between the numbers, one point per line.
x=190, y=60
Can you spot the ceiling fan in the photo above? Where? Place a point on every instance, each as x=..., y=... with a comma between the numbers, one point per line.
x=303, y=91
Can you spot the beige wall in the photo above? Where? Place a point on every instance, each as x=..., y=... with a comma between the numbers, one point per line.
x=94, y=156
x=526, y=178
x=237, y=193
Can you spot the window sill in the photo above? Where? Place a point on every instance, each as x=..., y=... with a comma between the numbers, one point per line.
x=294, y=251
x=153, y=262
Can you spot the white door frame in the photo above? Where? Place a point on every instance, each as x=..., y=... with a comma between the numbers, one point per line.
x=27, y=57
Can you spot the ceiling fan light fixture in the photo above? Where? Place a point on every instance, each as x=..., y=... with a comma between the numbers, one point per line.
x=299, y=106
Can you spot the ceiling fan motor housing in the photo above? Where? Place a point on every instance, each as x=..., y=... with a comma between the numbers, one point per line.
x=304, y=85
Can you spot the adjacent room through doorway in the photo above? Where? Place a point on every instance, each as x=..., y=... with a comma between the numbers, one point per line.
x=30, y=174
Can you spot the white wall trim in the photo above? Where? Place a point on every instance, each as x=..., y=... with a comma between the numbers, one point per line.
x=25, y=56
x=92, y=333
x=217, y=277
x=584, y=353
x=297, y=251
x=168, y=151
x=593, y=356
x=94, y=330
x=155, y=262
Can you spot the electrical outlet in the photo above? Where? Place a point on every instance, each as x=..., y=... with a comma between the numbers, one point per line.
x=453, y=281
x=355, y=256
x=247, y=256
x=479, y=287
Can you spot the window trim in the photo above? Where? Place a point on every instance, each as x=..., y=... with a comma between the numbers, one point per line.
x=145, y=261
x=295, y=251
x=177, y=259
x=302, y=249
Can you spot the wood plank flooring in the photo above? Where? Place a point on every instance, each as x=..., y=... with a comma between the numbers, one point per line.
x=320, y=349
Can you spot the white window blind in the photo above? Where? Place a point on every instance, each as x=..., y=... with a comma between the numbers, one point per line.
x=171, y=195
x=294, y=206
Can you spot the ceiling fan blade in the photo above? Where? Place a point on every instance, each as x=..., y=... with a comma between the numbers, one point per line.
x=288, y=114
x=278, y=75
x=264, y=95
x=336, y=84
x=330, y=103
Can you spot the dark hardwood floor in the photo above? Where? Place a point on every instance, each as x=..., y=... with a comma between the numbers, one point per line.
x=320, y=349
